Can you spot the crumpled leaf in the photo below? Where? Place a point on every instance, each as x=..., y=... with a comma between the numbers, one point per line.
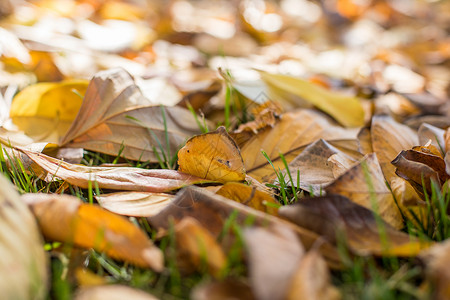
x=45, y=111
x=288, y=136
x=212, y=211
x=214, y=156
x=115, y=114
x=388, y=139
x=23, y=261
x=273, y=254
x=347, y=110
x=89, y=226
x=197, y=248
x=116, y=178
x=364, y=184
x=437, y=260
x=336, y=216
x=135, y=204
x=226, y=289
x=250, y=196
x=112, y=292
x=312, y=280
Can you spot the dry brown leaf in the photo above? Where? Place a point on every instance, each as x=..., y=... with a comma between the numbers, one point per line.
x=365, y=141
x=437, y=260
x=90, y=226
x=213, y=210
x=315, y=168
x=364, y=184
x=434, y=134
x=273, y=254
x=115, y=114
x=197, y=249
x=250, y=196
x=112, y=292
x=447, y=140
x=293, y=131
x=116, y=178
x=388, y=139
x=214, y=156
x=312, y=280
x=23, y=261
x=336, y=217
x=227, y=289
x=135, y=204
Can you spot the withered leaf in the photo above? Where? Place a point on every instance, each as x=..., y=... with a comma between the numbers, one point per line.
x=227, y=289
x=364, y=184
x=273, y=254
x=335, y=217
x=116, y=178
x=112, y=292
x=90, y=226
x=115, y=114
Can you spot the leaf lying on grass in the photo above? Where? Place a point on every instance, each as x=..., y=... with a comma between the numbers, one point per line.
x=336, y=217
x=116, y=178
x=213, y=155
x=89, y=226
x=115, y=114
x=112, y=292
x=23, y=261
x=226, y=289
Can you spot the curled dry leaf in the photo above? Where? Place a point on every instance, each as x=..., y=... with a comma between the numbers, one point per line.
x=116, y=178
x=227, y=289
x=90, y=226
x=23, y=261
x=273, y=254
x=250, y=196
x=135, y=204
x=312, y=280
x=288, y=136
x=364, y=184
x=212, y=211
x=347, y=110
x=388, y=139
x=336, y=216
x=437, y=260
x=197, y=248
x=115, y=114
x=112, y=292
x=214, y=156
x=45, y=111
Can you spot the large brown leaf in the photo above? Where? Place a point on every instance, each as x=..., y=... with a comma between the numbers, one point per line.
x=336, y=216
x=65, y=218
x=293, y=131
x=116, y=178
x=23, y=262
x=364, y=184
x=114, y=113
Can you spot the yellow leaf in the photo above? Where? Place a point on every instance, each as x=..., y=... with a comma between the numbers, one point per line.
x=46, y=110
x=347, y=110
x=213, y=156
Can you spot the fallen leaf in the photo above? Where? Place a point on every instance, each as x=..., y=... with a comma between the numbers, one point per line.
x=227, y=289
x=365, y=185
x=289, y=136
x=312, y=279
x=388, y=139
x=45, y=111
x=427, y=132
x=214, y=156
x=347, y=110
x=436, y=260
x=249, y=196
x=336, y=217
x=89, y=226
x=115, y=115
x=135, y=204
x=273, y=254
x=212, y=211
x=112, y=292
x=197, y=248
x=116, y=178
x=23, y=261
